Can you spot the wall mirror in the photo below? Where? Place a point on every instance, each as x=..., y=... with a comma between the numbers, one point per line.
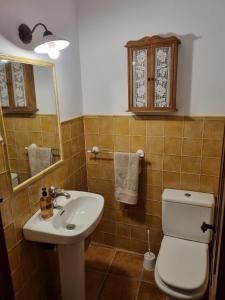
x=29, y=104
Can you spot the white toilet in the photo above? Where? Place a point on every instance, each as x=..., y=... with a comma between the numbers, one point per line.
x=182, y=266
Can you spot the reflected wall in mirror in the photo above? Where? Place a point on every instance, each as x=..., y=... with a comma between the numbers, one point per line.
x=30, y=115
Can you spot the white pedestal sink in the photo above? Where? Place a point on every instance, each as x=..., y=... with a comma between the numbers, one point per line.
x=68, y=228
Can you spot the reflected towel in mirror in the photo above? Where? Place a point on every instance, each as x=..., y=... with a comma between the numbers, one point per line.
x=40, y=158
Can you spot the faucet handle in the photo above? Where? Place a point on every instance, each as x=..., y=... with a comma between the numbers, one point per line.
x=52, y=191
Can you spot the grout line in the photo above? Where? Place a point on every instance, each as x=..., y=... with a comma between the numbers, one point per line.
x=106, y=276
x=138, y=289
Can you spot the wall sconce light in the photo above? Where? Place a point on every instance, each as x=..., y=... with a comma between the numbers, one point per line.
x=50, y=44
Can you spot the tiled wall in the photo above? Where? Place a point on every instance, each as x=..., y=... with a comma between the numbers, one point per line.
x=25, y=130
x=33, y=267
x=180, y=153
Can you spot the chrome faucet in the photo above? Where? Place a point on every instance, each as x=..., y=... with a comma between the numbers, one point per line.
x=56, y=192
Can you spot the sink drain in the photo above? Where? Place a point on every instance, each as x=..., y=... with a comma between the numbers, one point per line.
x=70, y=226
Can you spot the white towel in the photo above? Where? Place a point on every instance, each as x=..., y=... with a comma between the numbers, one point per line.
x=40, y=158
x=126, y=167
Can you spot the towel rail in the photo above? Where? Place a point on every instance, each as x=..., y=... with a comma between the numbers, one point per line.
x=55, y=151
x=96, y=150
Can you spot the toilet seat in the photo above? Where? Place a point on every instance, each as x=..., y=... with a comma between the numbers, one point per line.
x=182, y=268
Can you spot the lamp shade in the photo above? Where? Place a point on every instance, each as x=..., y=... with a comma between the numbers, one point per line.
x=51, y=45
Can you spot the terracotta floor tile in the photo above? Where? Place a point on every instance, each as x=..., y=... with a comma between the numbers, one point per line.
x=150, y=291
x=148, y=276
x=127, y=264
x=119, y=288
x=94, y=281
x=99, y=257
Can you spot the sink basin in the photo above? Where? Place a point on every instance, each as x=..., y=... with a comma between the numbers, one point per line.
x=67, y=228
x=82, y=211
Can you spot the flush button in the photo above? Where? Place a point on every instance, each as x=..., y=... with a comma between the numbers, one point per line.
x=187, y=194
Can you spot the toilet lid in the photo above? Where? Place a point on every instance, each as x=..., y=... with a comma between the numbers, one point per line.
x=183, y=264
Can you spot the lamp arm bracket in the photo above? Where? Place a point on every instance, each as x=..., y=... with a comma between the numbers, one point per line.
x=25, y=33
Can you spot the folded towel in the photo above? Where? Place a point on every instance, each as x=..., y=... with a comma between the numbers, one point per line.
x=40, y=158
x=126, y=167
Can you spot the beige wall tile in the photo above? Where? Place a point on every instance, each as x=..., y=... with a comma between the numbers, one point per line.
x=123, y=230
x=139, y=233
x=209, y=184
x=155, y=193
x=138, y=142
x=154, y=162
x=91, y=125
x=212, y=148
x=191, y=164
x=172, y=146
x=10, y=236
x=171, y=180
x=174, y=128
x=155, y=128
x=138, y=127
x=34, y=124
x=190, y=182
x=213, y=129
x=155, y=145
x=106, y=125
x=172, y=163
x=66, y=131
x=48, y=123
x=122, y=126
x=154, y=178
x=192, y=147
x=193, y=128
x=20, y=203
x=106, y=141
x=154, y=208
x=210, y=166
x=91, y=140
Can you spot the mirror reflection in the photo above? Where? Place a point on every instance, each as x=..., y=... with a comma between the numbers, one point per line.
x=28, y=101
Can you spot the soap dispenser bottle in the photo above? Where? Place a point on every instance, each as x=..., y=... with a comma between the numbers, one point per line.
x=46, y=205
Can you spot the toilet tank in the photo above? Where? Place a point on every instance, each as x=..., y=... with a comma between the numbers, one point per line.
x=183, y=213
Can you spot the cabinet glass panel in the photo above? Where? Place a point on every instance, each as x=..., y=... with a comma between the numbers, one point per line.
x=4, y=96
x=162, y=77
x=18, y=85
x=139, y=78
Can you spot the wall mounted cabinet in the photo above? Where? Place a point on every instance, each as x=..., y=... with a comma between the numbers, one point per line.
x=17, y=90
x=152, y=74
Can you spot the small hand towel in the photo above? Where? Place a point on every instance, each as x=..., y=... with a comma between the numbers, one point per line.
x=126, y=167
x=40, y=158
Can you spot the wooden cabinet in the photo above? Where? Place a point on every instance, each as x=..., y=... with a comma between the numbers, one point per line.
x=17, y=89
x=152, y=73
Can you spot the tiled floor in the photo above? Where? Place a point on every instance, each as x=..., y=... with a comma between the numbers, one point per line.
x=113, y=274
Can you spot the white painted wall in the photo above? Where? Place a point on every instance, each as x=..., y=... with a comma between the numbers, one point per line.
x=60, y=17
x=106, y=25
x=44, y=90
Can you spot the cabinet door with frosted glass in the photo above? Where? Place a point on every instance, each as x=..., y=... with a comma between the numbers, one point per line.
x=164, y=86
x=139, y=78
x=152, y=66
x=17, y=91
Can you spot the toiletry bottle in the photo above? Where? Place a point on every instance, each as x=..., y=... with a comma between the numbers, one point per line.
x=46, y=205
x=49, y=206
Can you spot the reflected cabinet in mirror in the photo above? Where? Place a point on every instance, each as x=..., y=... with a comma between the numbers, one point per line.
x=29, y=104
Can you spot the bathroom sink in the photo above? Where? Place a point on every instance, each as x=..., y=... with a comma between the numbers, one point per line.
x=78, y=217
x=75, y=219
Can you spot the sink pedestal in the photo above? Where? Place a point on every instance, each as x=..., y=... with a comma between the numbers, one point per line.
x=72, y=274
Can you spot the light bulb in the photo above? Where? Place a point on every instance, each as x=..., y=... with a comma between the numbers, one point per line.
x=53, y=53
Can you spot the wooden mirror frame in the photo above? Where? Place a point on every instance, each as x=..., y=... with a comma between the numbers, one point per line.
x=58, y=163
